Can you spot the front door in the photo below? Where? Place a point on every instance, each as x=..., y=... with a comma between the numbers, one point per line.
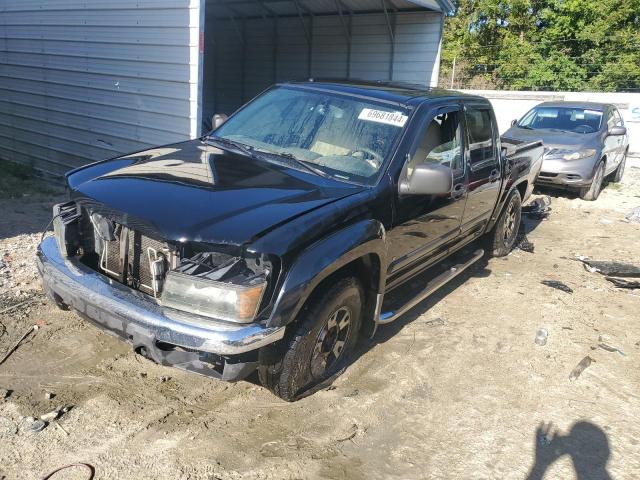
x=426, y=222
x=484, y=167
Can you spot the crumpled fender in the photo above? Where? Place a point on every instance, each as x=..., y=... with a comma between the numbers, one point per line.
x=325, y=257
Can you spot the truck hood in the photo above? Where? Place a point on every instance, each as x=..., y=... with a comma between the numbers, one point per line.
x=193, y=191
x=553, y=139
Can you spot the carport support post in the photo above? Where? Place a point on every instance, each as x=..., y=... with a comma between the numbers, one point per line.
x=391, y=36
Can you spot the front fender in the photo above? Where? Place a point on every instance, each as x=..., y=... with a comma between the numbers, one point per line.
x=322, y=259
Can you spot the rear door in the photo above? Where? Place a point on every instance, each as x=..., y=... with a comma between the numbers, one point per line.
x=425, y=223
x=483, y=163
x=611, y=145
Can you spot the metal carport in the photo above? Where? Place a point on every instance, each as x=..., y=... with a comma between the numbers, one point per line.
x=85, y=80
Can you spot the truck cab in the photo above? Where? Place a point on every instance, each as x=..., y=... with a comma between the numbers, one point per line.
x=277, y=240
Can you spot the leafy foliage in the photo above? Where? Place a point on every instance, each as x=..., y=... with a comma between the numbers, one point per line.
x=543, y=45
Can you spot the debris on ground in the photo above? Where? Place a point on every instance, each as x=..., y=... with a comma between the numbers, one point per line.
x=4, y=393
x=50, y=416
x=538, y=208
x=49, y=395
x=523, y=243
x=633, y=215
x=34, y=328
x=623, y=283
x=436, y=322
x=91, y=471
x=611, y=269
x=541, y=336
x=557, y=285
x=605, y=343
x=37, y=426
x=581, y=367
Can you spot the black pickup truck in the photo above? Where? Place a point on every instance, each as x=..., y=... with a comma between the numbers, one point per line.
x=276, y=240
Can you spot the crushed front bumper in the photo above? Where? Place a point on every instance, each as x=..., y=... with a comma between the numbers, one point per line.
x=215, y=348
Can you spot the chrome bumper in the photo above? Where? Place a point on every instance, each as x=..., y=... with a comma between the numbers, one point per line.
x=137, y=318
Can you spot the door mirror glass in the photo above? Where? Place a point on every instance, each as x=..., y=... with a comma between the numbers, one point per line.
x=514, y=122
x=428, y=179
x=617, y=131
x=218, y=119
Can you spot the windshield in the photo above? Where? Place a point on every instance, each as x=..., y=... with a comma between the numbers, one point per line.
x=346, y=138
x=567, y=119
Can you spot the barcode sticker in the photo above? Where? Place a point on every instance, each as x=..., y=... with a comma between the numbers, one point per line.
x=396, y=119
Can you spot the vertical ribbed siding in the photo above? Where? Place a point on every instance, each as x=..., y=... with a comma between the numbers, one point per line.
x=251, y=54
x=86, y=80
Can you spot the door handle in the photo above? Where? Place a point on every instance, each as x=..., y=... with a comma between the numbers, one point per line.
x=494, y=175
x=458, y=190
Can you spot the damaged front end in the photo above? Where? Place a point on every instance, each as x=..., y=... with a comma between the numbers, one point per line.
x=184, y=286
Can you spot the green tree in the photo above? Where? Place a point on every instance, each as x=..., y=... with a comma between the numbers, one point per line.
x=543, y=45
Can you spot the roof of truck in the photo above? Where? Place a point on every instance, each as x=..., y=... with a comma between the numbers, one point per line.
x=397, y=92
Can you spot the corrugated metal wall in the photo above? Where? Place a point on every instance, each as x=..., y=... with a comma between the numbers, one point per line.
x=84, y=80
x=249, y=55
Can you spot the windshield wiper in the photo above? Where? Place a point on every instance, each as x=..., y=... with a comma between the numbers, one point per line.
x=247, y=149
x=296, y=160
x=524, y=126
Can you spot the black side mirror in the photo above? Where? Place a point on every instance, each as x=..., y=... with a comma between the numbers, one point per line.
x=616, y=131
x=428, y=179
x=514, y=122
x=218, y=119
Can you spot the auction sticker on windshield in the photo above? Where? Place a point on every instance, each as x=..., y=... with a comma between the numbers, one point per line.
x=396, y=119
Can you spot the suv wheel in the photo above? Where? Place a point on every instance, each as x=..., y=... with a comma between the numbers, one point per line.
x=617, y=176
x=320, y=343
x=592, y=192
x=503, y=236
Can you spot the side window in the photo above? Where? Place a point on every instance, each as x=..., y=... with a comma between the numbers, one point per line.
x=480, y=132
x=441, y=143
x=618, y=118
x=611, y=119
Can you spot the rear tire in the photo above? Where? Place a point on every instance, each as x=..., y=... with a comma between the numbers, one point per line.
x=617, y=175
x=502, y=238
x=320, y=344
x=592, y=192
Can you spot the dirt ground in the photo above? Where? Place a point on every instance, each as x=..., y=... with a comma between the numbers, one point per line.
x=456, y=389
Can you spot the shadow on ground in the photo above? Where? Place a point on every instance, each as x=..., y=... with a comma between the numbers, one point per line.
x=586, y=444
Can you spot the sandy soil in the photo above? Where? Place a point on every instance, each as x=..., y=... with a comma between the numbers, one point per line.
x=457, y=389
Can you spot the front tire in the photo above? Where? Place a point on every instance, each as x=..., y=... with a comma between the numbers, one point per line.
x=592, y=192
x=502, y=238
x=320, y=344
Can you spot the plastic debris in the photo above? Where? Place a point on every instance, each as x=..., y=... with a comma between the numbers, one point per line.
x=436, y=322
x=557, y=285
x=581, y=367
x=541, y=336
x=51, y=416
x=633, y=215
x=538, y=208
x=37, y=426
x=49, y=395
x=4, y=393
x=623, y=283
x=605, y=343
x=612, y=269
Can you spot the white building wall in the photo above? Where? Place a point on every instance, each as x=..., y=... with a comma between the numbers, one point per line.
x=86, y=80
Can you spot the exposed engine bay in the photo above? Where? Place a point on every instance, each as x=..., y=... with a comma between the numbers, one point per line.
x=142, y=262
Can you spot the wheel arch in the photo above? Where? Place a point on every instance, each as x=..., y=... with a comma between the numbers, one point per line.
x=358, y=250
